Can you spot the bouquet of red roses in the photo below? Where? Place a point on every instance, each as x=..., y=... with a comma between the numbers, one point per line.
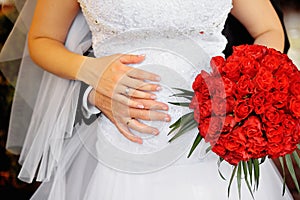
x=248, y=109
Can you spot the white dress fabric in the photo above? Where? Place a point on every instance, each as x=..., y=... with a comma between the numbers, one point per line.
x=178, y=38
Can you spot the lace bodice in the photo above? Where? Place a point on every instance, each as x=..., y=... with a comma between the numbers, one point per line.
x=202, y=20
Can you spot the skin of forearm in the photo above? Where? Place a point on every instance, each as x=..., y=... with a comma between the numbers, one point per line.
x=53, y=56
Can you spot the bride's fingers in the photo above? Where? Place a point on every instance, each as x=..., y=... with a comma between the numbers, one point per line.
x=126, y=133
x=139, y=84
x=119, y=98
x=143, y=75
x=149, y=115
x=152, y=104
x=131, y=59
x=138, y=73
x=140, y=127
x=131, y=92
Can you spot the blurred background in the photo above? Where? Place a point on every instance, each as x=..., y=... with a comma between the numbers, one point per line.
x=9, y=167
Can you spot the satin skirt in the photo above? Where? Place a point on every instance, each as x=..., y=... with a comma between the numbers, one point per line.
x=81, y=176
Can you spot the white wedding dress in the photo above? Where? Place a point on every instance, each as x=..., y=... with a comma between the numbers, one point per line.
x=178, y=38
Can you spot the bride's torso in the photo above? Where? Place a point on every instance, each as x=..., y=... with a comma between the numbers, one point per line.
x=178, y=38
x=202, y=20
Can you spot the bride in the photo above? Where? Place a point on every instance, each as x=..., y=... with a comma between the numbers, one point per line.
x=143, y=50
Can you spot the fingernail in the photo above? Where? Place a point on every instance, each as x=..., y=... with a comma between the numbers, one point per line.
x=140, y=141
x=158, y=88
x=165, y=108
x=167, y=119
x=142, y=55
x=155, y=132
x=153, y=97
x=140, y=106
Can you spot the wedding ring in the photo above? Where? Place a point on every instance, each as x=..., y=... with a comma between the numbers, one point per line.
x=127, y=91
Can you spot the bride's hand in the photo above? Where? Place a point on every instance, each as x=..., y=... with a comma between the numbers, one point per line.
x=126, y=118
x=111, y=76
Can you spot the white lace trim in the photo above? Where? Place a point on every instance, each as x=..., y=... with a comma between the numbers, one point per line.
x=201, y=20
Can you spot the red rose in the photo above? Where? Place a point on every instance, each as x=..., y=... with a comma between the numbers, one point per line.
x=289, y=124
x=279, y=99
x=205, y=109
x=272, y=115
x=276, y=150
x=281, y=83
x=295, y=85
x=203, y=127
x=219, y=149
x=219, y=106
x=194, y=103
x=256, y=143
x=214, y=130
x=294, y=106
x=235, y=144
x=242, y=110
x=254, y=51
x=260, y=101
x=198, y=82
x=230, y=103
x=271, y=62
x=217, y=63
x=275, y=134
x=228, y=86
x=250, y=67
x=287, y=68
x=229, y=124
x=264, y=79
x=232, y=70
x=216, y=87
x=244, y=87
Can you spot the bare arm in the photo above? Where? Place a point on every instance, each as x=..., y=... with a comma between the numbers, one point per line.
x=261, y=21
x=109, y=75
x=51, y=22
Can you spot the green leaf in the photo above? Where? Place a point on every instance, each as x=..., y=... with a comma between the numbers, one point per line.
x=183, y=95
x=246, y=177
x=195, y=144
x=296, y=157
x=231, y=179
x=181, y=123
x=183, y=104
x=208, y=149
x=250, y=168
x=298, y=146
x=187, y=127
x=187, y=92
x=256, y=172
x=239, y=178
x=219, y=164
x=289, y=164
x=283, y=174
x=183, y=119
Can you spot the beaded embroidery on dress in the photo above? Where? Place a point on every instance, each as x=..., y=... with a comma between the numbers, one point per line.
x=107, y=18
x=129, y=26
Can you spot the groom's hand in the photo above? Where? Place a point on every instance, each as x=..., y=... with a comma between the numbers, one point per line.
x=126, y=118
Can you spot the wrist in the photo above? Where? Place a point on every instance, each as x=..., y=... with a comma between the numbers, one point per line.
x=89, y=71
x=91, y=98
x=88, y=103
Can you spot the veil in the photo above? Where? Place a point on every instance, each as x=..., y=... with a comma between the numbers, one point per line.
x=44, y=105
